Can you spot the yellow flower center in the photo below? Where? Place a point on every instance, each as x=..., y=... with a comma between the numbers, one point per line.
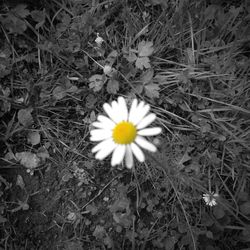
x=124, y=133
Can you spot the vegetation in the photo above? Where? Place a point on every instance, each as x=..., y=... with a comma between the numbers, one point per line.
x=61, y=60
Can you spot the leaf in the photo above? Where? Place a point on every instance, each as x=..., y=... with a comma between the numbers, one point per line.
x=108, y=242
x=210, y=11
x=169, y=243
x=72, y=89
x=218, y=212
x=99, y=232
x=209, y=235
x=39, y=17
x=24, y=116
x=152, y=90
x=184, y=159
x=207, y=220
x=9, y=156
x=92, y=116
x=145, y=48
x=112, y=57
x=245, y=235
x=147, y=76
x=2, y=219
x=59, y=92
x=142, y=62
x=14, y=24
x=28, y=159
x=245, y=208
x=96, y=82
x=163, y=3
x=21, y=10
x=20, y=182
x=90, y=101
x=76, y=245
x=131, y=57
x=42, y=153
x=138, y=88
x=112, y=86
x=34, y=138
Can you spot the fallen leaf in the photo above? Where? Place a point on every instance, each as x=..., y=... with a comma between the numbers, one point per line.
x=59, y=92
x=25, y=117
x=145, y=49
x=33, y=138
x=28, y=159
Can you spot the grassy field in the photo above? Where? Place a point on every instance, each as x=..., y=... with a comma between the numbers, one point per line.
x=61, y=61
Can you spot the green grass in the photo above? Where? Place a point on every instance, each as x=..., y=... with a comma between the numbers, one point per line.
x=197, y=84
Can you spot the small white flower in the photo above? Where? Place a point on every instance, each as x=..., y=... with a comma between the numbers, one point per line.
x=210, y=199
x=99, y=40
x=122, y=133
x=107, y=69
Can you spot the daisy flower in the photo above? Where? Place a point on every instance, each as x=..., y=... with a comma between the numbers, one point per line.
x=122, y=132
x=210, y=199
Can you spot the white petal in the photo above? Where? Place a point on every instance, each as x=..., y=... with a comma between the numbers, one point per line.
x=141, y=111
x=149, y=131
x=100, y=134
x=110, y=111
x=118, y=155
x=104, y=144
x=97, y=132
x=145, y=144
x=104, y=152
x=136, y=110
x=137, y=152
x=123, y=108
x=129, y=157
x=146, y=121
x=107, y=108
x=117, y=115
x=132, y=110
x=107, y=123
x=98, y=125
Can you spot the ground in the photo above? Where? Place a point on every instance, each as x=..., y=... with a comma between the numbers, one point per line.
x=61, y=60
